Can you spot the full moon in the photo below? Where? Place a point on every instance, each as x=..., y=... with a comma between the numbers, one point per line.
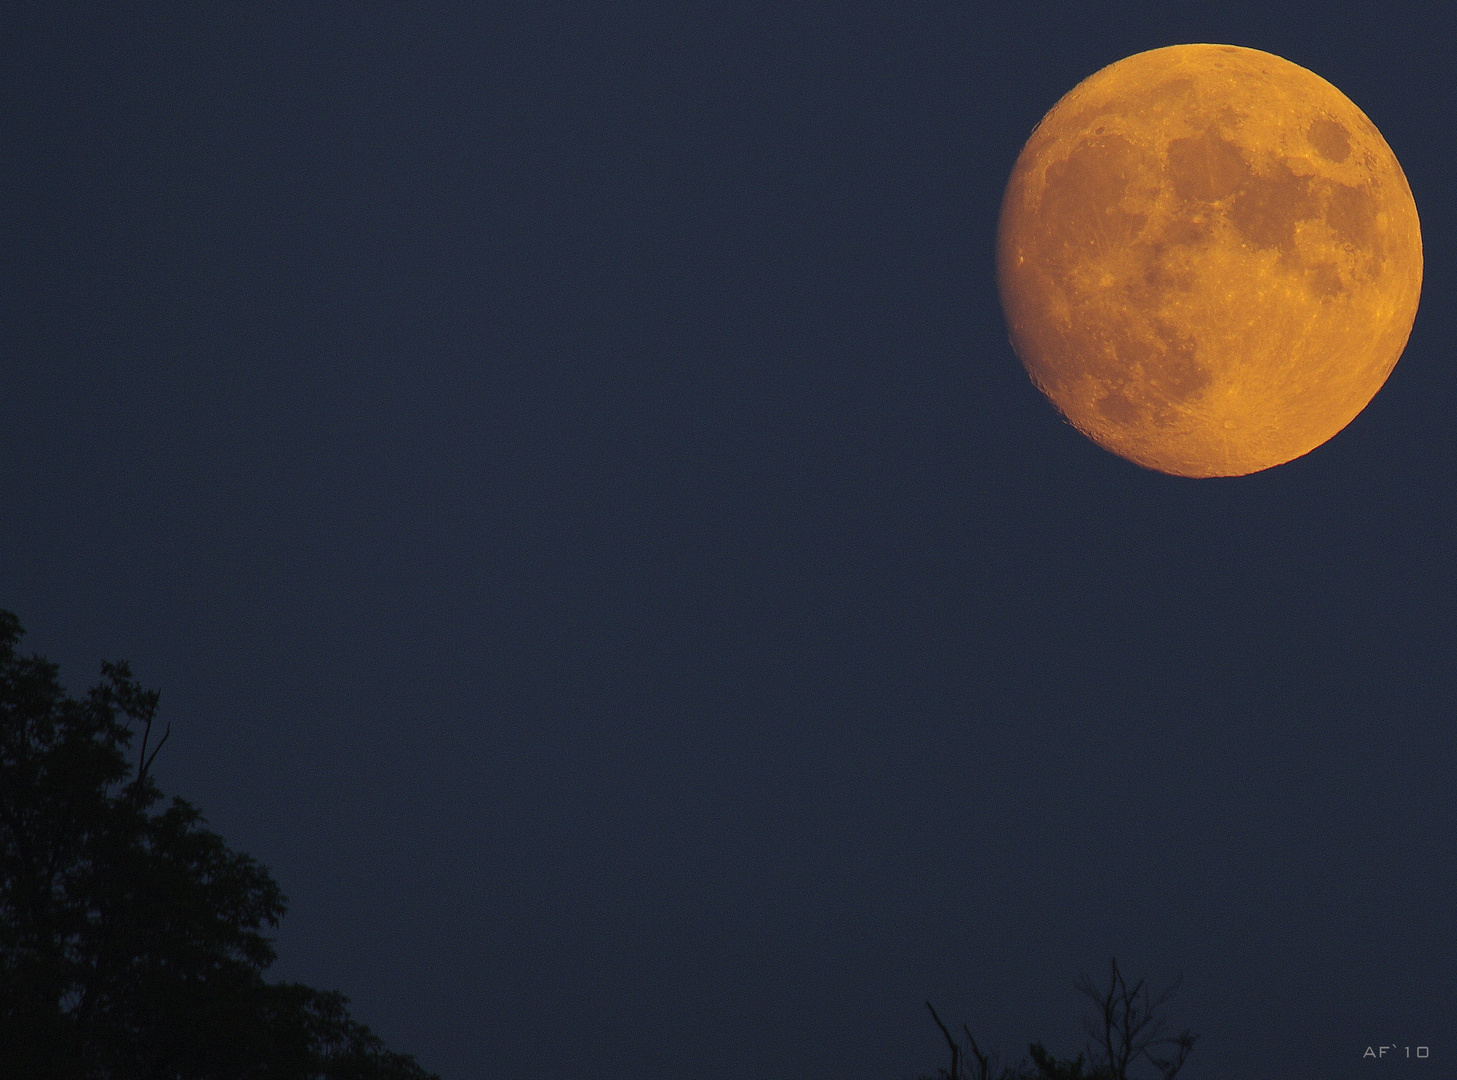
x=1209, y=259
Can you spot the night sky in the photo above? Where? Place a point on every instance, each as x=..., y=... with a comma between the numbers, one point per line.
x=564, y=467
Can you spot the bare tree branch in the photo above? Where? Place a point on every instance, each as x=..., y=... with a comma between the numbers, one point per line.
x=147, y=767
x=955, y=1073
x=983, y=1063
x=1128, y=1026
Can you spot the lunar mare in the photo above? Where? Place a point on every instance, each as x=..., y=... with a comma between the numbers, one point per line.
x=1209, y=259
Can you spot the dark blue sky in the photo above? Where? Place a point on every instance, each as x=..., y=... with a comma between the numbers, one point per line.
x=564, y=467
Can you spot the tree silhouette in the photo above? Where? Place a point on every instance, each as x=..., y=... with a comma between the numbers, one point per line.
x=1126, y=1028
x=983, y=1066
x=132, y=939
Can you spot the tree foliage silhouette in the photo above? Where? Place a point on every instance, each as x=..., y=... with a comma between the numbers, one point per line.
x=1127, y=1028
x=132, y=939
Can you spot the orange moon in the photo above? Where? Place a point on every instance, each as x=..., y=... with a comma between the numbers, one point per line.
x=1209, y=259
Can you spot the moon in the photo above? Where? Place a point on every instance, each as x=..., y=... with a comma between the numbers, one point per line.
x=1209, y=259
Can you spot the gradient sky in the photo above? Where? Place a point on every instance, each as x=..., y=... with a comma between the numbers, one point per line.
x=564, y=467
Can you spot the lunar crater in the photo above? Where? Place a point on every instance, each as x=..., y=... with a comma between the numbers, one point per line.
x=1330, y=140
